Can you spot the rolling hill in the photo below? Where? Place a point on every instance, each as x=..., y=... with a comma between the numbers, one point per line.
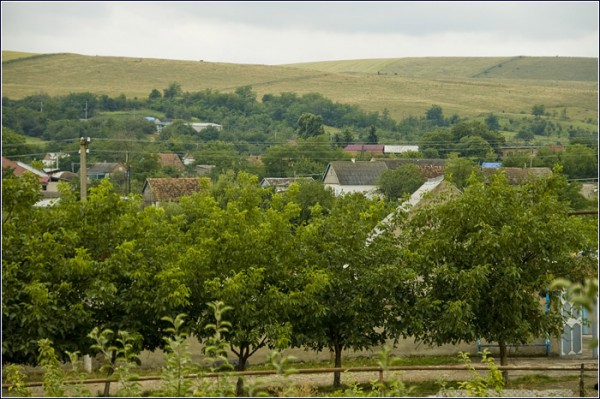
x=467, y=86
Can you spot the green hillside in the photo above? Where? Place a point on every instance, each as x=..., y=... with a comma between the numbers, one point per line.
x=13, y=55
x=467, y=86
x=533, y=68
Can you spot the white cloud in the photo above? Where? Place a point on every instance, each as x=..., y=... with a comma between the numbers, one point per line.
x=286, y=32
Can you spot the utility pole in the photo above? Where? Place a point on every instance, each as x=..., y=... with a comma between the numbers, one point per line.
x=83, y=144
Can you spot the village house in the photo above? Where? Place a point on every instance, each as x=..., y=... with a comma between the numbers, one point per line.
x=158, y=190
x=517, y=175
x=20, y=168
x=170, y=160
x=365, y=150
x=362, y=176
x=280, y=184
x=101, y=170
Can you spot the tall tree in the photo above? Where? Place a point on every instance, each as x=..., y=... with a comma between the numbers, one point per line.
x=435, y=115
x=405, y=179
x=372, y=137
x=357, y=303
x=310, y=125
x=485, y=269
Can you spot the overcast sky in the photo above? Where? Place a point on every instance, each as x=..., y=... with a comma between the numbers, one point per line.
x=287, y=32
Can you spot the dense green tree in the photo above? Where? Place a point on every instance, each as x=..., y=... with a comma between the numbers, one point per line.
x=45, y=275
x=404, y=180
x=491, y=121
x=310, y=125
x=459, y=170
x=154, y=94
x=538, y=110
x=13, y=143
x=485, y=269
x=435, y=115
x=439, y=140
x=173, y=90
x=372, y=137
x=474, y=147
x=525, y=134
x=580, y=162
x=358, y=302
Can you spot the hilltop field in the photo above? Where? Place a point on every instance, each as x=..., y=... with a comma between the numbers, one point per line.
x=405, y=87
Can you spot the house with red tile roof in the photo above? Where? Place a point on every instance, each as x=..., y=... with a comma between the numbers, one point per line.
x=168, y=189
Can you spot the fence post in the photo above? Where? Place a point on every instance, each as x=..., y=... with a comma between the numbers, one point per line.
x=581, y=385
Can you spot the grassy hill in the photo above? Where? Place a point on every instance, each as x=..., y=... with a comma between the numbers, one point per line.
x=530, y=68
x=467, y=86
x=13, y=55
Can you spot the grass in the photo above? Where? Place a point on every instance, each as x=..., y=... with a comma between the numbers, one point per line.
x=536, y=68
x=447, y=82
x=14, y=55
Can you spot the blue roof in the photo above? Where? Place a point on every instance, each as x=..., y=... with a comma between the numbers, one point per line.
x=491, y=164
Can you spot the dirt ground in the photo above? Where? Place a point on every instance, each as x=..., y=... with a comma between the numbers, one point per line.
x=412, y=376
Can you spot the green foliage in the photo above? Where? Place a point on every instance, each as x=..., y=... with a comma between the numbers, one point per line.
x=389, y=387
x=580, y=295
x=471, y=255
x=178, y=360
x=76, y=370
x=349, y=310
x=435, y=114
x=53, y=375
x=479, y=386
x=492, y=123
x=310, y=125
x=118, y=359
x=399, y=182
x=16, y=381
x=538, y=110
x=459, y=170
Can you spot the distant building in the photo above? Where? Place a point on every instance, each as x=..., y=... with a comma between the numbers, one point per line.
x=101, y=170
x=51, y=160
x=399, y=149
x=158, y=190
x=282, y=183
x=20, y=168
x=199, y=126
x=188, y=159
x=170, y=160
x=363, y=176
x=518, y=175
x=365, y=149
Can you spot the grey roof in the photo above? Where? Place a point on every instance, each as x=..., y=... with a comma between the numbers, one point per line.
x=358, y=173
x=518, y=175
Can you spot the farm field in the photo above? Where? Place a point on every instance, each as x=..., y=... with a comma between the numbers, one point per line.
x=406, y=87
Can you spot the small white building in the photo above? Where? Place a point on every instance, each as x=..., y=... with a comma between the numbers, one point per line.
x=399, y=149
x=199, y=126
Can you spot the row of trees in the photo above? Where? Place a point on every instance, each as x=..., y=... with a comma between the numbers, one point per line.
x=299, y=268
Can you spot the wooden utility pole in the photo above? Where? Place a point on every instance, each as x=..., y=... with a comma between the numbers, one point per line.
x=83, y=144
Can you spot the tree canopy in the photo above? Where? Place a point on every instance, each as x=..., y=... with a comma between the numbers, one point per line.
x=487, y=258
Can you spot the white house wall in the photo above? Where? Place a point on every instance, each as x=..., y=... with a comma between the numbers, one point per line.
x=369, y=191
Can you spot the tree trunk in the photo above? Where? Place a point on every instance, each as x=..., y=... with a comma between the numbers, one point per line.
x=338, y=363
x=503, y=361
x=113, y=360
x=241, y=366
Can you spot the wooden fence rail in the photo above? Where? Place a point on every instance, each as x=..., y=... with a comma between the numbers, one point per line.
x=579, y=368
